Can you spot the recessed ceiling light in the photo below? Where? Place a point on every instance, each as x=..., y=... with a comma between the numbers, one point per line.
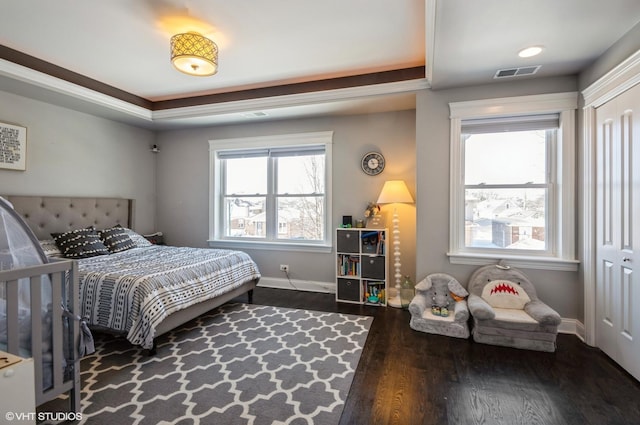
x=530, y=51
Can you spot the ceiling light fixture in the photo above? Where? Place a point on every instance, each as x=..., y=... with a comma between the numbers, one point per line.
x=194, y=54
x=530, y=51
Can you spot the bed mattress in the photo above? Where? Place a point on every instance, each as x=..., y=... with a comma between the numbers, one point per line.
x=134, y=290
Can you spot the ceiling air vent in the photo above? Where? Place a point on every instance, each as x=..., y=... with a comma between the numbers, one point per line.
x=516, y=72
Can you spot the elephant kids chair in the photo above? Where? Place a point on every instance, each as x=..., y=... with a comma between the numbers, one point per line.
x=506, y=310
x=440, y=307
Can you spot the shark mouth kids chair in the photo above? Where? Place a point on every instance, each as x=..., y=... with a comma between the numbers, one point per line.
x=506, y=310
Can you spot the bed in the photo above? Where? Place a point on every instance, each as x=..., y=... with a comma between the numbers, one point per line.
x=145, y=291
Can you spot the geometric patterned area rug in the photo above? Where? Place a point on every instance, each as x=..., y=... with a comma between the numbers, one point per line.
x=238, y=364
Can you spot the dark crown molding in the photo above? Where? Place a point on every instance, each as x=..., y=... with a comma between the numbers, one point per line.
x=48, y=68
x=73, y=77
x=297, y=88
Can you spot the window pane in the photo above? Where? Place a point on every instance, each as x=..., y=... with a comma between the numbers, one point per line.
x=301, y=218
x=301, y=174
x=505, y=218
x=506, y=158
x=246, y=176
x=245, y=217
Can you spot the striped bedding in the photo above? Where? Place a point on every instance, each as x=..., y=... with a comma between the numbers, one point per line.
x=134, y=290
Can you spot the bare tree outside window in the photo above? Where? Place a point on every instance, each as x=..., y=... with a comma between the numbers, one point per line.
x=298, y=197
x=301, y=196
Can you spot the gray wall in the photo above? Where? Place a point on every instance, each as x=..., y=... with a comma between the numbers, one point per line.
x=183, y=182
x=618, y=52
x=70, y=153
x=561, y=290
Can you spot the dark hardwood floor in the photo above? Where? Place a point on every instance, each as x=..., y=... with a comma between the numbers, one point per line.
x=406, y=377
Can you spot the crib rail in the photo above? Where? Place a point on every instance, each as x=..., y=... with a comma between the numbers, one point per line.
x=63, y=276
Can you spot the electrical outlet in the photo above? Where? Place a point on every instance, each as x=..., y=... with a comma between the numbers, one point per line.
x=284, y=268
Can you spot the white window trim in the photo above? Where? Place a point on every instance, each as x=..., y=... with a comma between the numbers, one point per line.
x=216, y=238
x=563, y=239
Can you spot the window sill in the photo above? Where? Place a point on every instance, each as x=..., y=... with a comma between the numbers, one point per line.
x=519, y=261
x=275, y=246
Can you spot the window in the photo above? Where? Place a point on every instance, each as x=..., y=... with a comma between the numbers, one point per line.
x=512, y=173
x=507, y=195
x=271, y=191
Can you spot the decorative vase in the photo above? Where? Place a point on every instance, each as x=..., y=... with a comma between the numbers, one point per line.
x=406, y=292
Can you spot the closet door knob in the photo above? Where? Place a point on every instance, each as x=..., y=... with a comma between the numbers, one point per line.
x=625, y=259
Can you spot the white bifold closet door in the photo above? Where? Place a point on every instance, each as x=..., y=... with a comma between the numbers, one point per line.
x=618, y=229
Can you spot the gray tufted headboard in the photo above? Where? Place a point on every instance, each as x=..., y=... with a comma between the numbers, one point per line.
x=53, y=214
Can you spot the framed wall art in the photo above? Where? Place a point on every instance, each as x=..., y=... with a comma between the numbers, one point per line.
x=13, y=147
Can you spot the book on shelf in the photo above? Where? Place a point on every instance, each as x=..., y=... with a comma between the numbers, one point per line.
x=349, y=265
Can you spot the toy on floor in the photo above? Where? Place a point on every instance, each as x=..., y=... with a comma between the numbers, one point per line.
x=444, y=293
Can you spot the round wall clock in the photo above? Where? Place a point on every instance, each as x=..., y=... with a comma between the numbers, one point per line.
x=372, y=163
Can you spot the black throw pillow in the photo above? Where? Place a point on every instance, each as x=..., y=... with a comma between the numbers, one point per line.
x=80, y=243
x=116, y=239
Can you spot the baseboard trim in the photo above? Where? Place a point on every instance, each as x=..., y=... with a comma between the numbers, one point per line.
x=572, y=326
x=299, y=285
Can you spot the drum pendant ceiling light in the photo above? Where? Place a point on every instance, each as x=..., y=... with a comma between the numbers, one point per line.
x=194, y=54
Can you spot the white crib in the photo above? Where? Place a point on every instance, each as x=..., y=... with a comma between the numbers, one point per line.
x=51, y=334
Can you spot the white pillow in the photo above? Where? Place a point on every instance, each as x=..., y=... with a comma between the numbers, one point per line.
x=137, y=238
x=50, y=248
